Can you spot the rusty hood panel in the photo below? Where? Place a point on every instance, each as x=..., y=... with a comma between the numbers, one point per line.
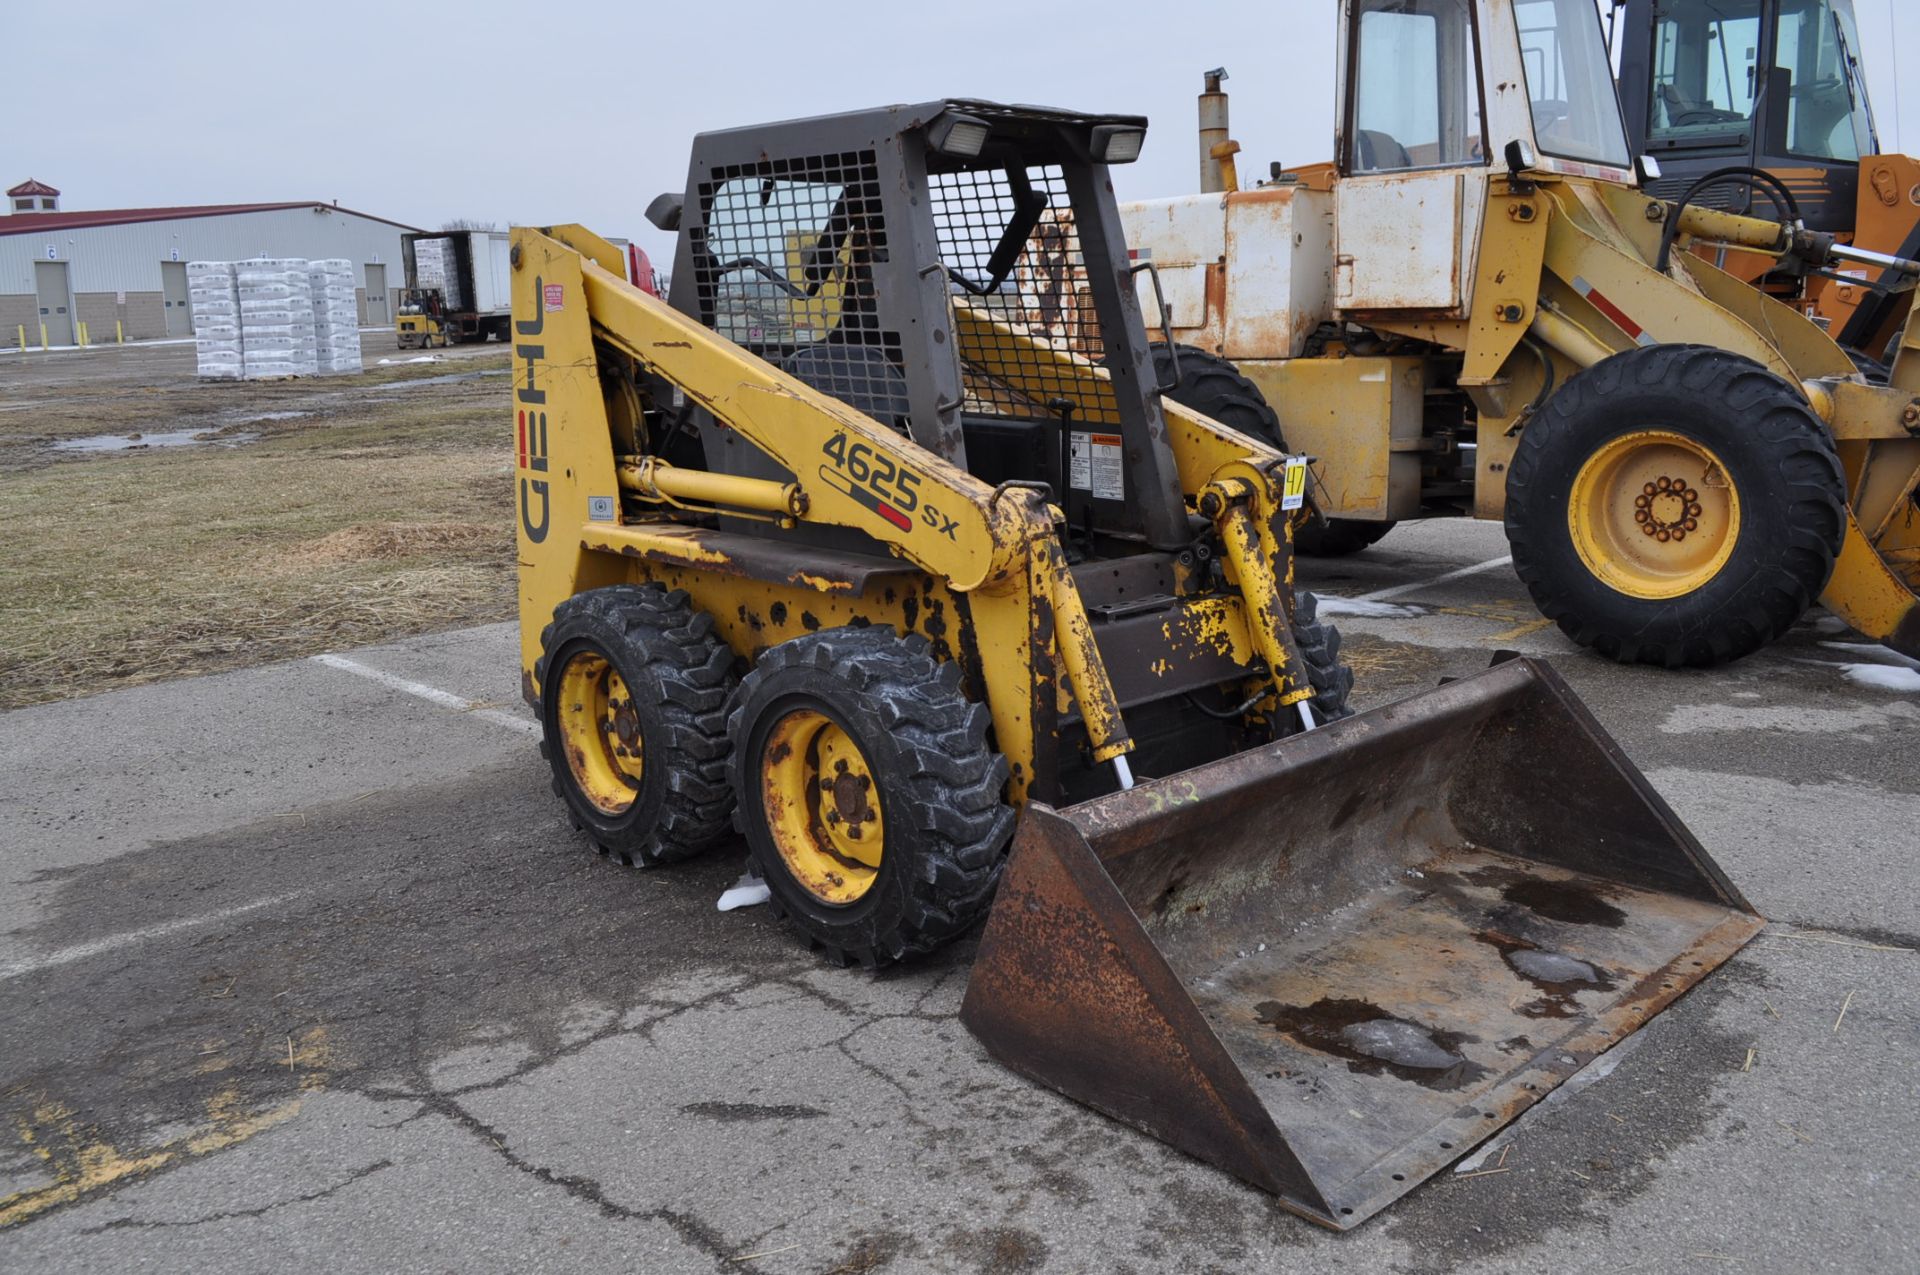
x=1333, y=965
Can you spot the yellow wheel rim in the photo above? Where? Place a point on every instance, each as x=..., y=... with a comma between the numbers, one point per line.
x=822, y=805
x=600, y=730
x=1653, y=514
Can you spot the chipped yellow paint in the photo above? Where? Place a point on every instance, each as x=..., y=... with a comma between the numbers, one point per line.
x=84, y=1162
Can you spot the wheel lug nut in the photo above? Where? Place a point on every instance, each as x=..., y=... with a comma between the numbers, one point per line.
x=1679, y=533
x=1693, y=511
x=1648, y=490
x=1692, y=494
x=1647, y=527
x=1665, y=483
x=1641, y=502
x=1663, y=535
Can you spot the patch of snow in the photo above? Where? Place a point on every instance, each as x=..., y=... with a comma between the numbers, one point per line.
x=748, y=891
x=1886, y=677
x=1880, y=654
x=423, y=358
x=1330, y=605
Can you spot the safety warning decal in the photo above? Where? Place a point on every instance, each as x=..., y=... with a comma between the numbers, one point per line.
x=556, y=296
x=1095, y=466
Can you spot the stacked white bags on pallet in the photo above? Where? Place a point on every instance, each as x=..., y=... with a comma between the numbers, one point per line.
x=216, y=319
x=435, y=266
x=276, y=317
x=336, y=315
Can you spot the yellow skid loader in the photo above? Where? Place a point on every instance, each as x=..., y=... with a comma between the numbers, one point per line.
x=1477, y=311
x=834, y=548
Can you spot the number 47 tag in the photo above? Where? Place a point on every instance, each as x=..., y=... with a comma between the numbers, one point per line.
x=1293, y=493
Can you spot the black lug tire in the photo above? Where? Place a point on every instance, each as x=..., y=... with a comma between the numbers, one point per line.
x=1211, y=385
x=1782, y=465
x=680, y=676
x=1876, y=372
x=1319, y=645
x=942, y=790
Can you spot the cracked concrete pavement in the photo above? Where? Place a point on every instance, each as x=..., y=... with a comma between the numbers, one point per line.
x=425, y=1029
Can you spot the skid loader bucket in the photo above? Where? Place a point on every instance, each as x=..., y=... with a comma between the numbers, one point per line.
x=1331, y=966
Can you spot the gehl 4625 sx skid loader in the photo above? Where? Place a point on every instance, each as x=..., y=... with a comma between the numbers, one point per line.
x=833, y=549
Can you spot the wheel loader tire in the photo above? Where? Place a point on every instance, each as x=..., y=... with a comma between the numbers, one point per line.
x=871, y=803
x=1319, y=645
x=634, y=686
x=1211, y=385
x=1675, y=505
x=1876, y=372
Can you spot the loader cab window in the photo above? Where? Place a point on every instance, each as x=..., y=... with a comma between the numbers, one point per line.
x=1708, y=87
x=1815, y=51
x=1576, y=113
x=1414, y=87
x=763, y=234
x=1706, y=58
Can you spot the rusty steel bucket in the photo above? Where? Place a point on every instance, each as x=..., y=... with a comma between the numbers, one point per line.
x=1330, y=966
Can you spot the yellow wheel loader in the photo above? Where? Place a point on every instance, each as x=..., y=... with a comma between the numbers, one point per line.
x=836, y=548
x=1475, y=310
x=1764, y=102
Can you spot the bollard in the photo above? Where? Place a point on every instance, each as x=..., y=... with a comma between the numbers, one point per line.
x=82, y=334
x=119, y=333
x=43, y=338
x=23, y=337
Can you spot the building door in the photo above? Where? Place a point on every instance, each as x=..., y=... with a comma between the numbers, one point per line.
x=173, y=288
x=377, y=315
x=50, y=283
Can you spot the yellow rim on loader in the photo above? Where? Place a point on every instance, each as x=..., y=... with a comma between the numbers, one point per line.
x=1653, y=515
x=600, y=731
x=823, y=808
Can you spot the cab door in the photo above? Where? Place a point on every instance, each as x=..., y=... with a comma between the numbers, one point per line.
x=1413, y=154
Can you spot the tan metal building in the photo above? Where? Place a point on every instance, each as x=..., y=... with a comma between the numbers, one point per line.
x=129, y=265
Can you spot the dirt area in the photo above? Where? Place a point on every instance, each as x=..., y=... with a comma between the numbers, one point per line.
x=161, y=525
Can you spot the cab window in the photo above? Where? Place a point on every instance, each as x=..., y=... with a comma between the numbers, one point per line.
x=1826, y=112
x=1415, y=80
x=1576, y=114
x=1705, y=59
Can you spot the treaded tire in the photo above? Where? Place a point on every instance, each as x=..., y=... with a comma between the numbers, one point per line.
x=1779, y=460
x=1319, y=645
x=1213, y=386
x=941, y=789
x=680, y=678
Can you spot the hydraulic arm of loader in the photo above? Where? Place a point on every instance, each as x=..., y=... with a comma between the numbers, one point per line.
x=849, y=470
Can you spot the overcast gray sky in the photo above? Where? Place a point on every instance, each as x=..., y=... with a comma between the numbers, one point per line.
x=583, y=111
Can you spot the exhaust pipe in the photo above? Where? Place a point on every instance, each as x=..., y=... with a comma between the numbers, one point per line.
x=1213, y=132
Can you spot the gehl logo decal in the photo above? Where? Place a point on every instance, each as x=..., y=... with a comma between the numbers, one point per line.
x=532, y=422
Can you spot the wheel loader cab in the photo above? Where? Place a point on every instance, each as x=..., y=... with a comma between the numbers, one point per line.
x=1437, y=96
x=1431, y=84
x=1771, y=84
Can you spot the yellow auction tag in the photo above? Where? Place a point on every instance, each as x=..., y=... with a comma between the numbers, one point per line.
x=1294, y=493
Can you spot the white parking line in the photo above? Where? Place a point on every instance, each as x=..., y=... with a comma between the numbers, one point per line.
x=1381, y=594
x=67, y=956
x=432, y=694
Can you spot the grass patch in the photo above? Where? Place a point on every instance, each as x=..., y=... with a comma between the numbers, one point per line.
x=374, y=516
